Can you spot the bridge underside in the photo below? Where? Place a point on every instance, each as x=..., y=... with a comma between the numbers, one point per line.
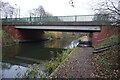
x=62, y=28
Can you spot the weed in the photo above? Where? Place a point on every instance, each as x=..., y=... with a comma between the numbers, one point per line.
x=54, y=62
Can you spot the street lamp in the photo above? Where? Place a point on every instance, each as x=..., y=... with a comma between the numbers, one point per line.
x=18, y=10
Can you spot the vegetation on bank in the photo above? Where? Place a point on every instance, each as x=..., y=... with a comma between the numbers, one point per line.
x=108, y=60
x=0, y=37
x=34, y=71
x=55, y=61
x=51, y=35
x=7, y=40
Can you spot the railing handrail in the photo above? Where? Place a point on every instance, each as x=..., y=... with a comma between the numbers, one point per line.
x=49, y=16
x=75, y=18
x=57, y=16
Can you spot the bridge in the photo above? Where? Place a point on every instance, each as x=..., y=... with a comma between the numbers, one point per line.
x=75, y=23
x=31, y=26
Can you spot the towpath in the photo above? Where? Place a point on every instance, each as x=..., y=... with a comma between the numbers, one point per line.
x=78, y=66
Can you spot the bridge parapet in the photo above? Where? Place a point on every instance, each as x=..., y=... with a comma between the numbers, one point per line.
x=95, y=19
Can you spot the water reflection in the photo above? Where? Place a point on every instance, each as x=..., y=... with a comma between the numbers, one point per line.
x=62, y=43
x=22, y=55
x=72, y=45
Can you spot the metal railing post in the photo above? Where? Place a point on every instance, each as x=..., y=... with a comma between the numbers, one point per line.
x=40, y=19
x=75, y=18
x=30, y=18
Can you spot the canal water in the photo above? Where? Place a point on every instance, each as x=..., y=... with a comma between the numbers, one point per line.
x=17, y=59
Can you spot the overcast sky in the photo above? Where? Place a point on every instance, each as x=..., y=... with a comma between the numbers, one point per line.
x=55, y=7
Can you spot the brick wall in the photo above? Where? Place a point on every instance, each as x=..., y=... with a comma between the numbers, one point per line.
x=24, y=34
x=106, y=32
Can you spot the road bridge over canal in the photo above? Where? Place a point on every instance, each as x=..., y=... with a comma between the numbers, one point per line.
x=31, y=28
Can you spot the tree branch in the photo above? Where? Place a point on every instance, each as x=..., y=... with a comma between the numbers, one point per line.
x=114, y=11
x=115, y=7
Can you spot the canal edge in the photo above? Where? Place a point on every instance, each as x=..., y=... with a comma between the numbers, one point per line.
x=73, y=52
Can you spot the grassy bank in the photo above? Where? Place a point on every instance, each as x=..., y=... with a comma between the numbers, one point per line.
x=108, y=60
x=55, y=61
x=34, y=70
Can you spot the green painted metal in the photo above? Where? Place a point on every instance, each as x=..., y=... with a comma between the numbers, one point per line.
x=78, y=18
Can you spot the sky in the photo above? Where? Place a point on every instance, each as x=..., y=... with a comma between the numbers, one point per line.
x=55, y=7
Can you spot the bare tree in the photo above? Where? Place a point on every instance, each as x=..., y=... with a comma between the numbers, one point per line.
x=111, y=8
x=7, y=10
x=38, y=12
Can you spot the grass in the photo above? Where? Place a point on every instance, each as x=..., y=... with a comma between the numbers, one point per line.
x=55, y=61
x=34, y=72
x=112, y=40
x=108, y=60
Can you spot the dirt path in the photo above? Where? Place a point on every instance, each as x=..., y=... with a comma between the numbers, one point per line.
x=79, y=66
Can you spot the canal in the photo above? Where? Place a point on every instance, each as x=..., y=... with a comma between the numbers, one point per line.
x=17, y=58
